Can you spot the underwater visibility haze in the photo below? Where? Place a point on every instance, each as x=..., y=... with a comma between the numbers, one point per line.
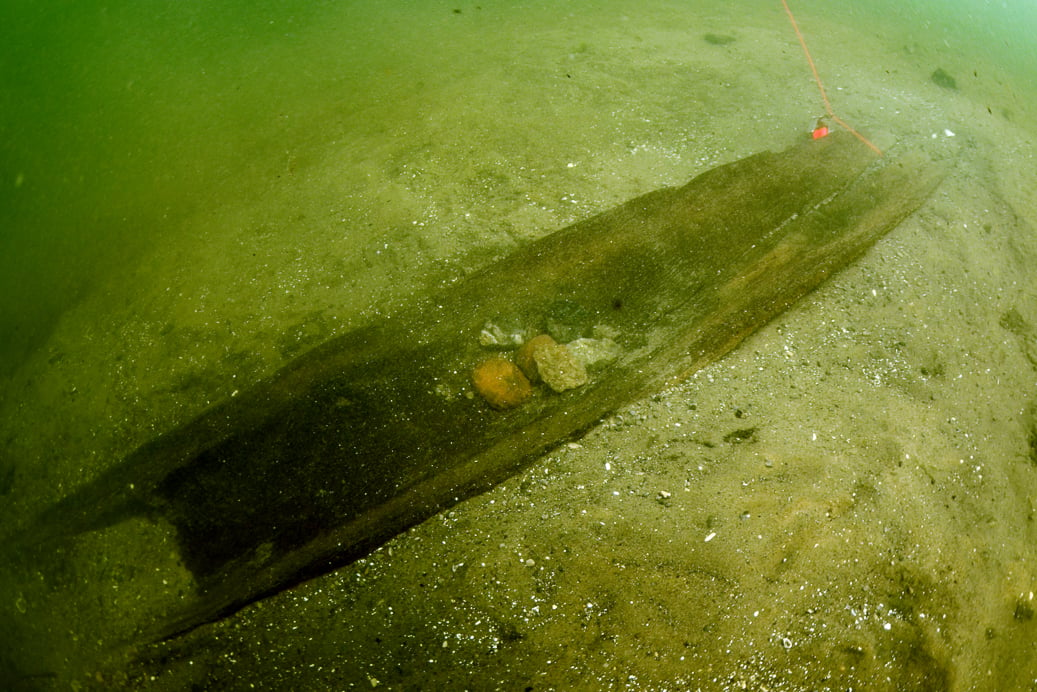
x=194, y=196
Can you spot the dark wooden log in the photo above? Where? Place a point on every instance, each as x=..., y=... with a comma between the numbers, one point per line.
x=379, y=429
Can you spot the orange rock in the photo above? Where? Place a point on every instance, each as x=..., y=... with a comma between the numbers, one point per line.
x=501, y=383
x=525, y=356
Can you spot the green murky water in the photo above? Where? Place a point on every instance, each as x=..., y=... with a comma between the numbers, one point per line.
x=193, y=193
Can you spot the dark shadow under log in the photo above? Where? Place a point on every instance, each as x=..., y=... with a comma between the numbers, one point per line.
x=377, y=430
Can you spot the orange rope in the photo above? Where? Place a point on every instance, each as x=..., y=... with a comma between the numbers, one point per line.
x=821, y=87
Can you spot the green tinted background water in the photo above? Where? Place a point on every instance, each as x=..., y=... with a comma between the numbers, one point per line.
x=122, y=119
x=192, y=193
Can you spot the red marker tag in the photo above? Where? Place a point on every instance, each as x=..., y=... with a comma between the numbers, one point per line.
x=820, y=132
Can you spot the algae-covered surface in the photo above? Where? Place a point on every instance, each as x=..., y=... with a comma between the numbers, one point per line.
x=193, y=197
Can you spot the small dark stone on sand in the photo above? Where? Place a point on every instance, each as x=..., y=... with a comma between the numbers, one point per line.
x=1023, y=611
x=738, y=436
x=718, y=39
x=942, y=79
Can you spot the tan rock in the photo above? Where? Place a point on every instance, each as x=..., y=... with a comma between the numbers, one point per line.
x=559, y=368
x=524, y=357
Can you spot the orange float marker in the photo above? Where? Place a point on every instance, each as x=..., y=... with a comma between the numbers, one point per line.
x=822, y=130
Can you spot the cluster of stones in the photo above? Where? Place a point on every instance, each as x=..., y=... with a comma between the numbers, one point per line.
x=505, y=383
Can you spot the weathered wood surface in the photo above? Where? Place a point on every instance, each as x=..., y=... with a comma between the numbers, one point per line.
x=373, y=432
